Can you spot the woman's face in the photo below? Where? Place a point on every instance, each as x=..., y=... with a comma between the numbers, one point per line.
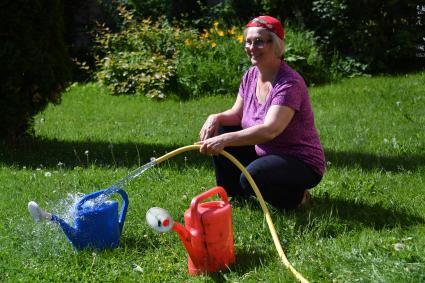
x=259, y=46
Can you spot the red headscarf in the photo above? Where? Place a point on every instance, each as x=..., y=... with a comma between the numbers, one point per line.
x=270, y=23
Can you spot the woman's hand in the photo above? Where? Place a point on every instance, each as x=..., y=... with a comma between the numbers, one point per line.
x=212, y=146
x=210, y=128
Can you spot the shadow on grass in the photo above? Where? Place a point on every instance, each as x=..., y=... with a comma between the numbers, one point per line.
x=331, y=217
x=328, y=217
x=139, y=243
x=48, y=153
x=371, y=161
x=245, y=262
x=34, y=153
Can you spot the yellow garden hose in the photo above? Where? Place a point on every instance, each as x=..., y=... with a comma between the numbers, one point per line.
x=259, y=197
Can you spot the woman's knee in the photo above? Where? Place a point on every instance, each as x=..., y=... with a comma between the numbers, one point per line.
x=274, y=190
x=255, y=174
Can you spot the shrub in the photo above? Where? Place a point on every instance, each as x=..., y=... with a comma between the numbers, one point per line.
x=345, y=67
x=139, y=58
x=381, y=34
x=303, y=54
x=212, y=61
x=153, y=57
x=34, y=62
x=384, y=35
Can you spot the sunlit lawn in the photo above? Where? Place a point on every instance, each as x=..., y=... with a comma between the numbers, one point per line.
x=365, y=223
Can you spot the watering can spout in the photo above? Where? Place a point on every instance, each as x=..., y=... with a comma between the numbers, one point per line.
x=186, y=237
x=70, y=232
x=39, y=214
x=161, y=221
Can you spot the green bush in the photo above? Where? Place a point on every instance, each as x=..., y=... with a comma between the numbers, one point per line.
x=302, y=53
x=139, y=58
x=383, y=35
x=211, y=62
x=214, y=61
x=154, y=57
x=34, y=62
x=346, y=67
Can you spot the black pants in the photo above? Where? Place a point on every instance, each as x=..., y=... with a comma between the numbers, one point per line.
x=281, y=179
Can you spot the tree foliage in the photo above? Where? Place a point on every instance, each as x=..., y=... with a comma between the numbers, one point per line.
x=34, y=62
x=381, y=34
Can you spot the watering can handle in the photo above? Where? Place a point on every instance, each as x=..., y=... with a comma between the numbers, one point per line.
x=89, y=196
x=123, y=208
x=212, y=192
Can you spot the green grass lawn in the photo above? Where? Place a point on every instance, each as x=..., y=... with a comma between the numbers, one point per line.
x=365, y=223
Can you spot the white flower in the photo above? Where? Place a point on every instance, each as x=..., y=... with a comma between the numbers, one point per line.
x=137, y=268
x=48, y=174
x=398, y=246
x=394, y=143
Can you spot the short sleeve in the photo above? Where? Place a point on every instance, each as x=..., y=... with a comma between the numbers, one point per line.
x=288, y=94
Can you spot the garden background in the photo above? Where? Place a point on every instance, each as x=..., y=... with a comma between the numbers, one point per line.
x=92, y=89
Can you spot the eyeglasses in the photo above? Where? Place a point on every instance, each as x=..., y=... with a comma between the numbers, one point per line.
x=257, y=43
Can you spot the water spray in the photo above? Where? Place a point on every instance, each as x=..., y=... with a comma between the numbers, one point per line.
x=134, y=174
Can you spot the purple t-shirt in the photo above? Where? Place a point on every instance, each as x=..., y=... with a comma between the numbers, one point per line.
x=300, y=138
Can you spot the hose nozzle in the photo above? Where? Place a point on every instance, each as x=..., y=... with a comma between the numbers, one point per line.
x=159, y=219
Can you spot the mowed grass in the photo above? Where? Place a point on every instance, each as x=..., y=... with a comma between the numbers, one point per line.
x=365, y=222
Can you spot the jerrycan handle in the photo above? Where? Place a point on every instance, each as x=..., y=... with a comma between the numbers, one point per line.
x=210, y=193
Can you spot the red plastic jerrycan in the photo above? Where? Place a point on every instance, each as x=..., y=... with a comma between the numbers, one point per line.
x=208, y=236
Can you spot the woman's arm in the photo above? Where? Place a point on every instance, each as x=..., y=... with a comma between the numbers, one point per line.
x=230, y=117
x=276, y=120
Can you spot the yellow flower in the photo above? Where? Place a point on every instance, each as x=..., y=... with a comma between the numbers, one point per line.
x=213, y=44
x=220, y=33
x=232, y=31
x=215, y=24
x=205, y=35
x=188, y=42
x=239, y=38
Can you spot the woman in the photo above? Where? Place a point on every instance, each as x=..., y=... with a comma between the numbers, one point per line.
x=270, y=127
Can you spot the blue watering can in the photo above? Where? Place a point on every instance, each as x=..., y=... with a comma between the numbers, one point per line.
x=97, y=224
